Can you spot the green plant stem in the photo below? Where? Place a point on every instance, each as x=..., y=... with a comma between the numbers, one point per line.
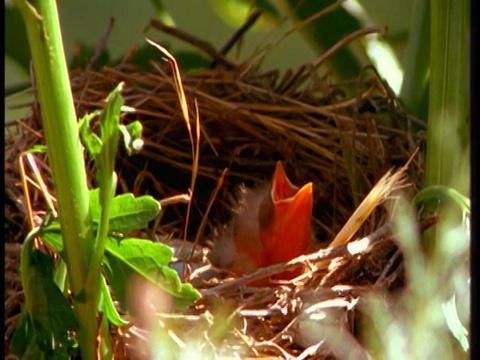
x=26, y=256
x=447, y=157
x=65, y=157
x=448, y=145
x=107, y=178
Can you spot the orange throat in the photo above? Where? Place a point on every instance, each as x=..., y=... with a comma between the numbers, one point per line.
x=288, y=233
x=284, y=226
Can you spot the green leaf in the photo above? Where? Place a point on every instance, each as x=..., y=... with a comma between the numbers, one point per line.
x=438, y=195
x=38, y=149
x=22, y=338
x=132, y=137
x=37, y=343
x=109, y=121
x=108, y=307
x=454, y=324
x=48, y=305
x=105, y=348
x=148, y=260
x=50, y=315
x=91, y=140
x=104, y=147
x=124, y=258
x=135, y=128
x=52, y=235
x=127, y=212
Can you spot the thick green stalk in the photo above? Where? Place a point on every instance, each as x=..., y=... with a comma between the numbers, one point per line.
x=65, y=157
x=448, y=145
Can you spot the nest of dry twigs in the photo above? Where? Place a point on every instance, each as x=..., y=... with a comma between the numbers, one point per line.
x=342, y=137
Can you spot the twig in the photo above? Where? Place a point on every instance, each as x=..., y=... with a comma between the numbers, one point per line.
x=347, y=39
x=203, y=45
x=205, y=217
x=260, y=54
x=251, y=20
x=101, y=44
x=176, y=199
x=424, y=225
x=388, y=267
x=349, y=250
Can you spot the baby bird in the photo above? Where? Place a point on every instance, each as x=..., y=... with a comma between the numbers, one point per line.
x=272, y=225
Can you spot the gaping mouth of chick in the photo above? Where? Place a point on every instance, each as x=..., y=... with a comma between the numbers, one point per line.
x=288, y=232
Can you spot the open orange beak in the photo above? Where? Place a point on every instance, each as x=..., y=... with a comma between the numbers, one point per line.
x=286, y=233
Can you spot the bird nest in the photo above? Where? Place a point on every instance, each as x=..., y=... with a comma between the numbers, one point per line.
x=342, y=137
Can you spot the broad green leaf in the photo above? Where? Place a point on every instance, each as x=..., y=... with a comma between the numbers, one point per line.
x=40, y=346
x=148, y=260
x=127, y=212
x=22, y=338
x=144, y=254
x=52, y=236
x=129, y=256
x=27, y=345
x=48, y=305
x=50, y=315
